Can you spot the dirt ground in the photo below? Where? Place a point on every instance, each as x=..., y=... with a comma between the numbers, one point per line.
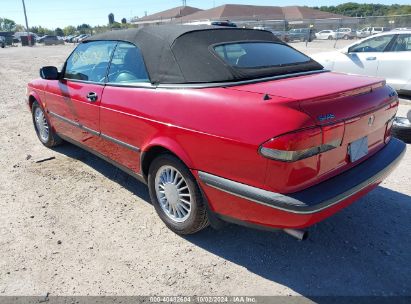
x=75, y=225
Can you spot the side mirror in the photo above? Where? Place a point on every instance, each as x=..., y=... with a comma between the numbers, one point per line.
x=49, y=73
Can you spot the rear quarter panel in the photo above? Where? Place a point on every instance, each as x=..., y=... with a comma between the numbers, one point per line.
x=214, y=130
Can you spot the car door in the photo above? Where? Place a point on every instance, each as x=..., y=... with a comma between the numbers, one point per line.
x=363, y=57
x=127, y=95
x=74, y=100
x=395, y=63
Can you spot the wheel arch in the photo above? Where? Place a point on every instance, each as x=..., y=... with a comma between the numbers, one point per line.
x=160, y=146
x=33, y=96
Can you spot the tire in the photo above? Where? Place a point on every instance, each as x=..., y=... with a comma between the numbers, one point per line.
x=330, y=37
x=345, y=37
x=402, y=131
x=41, y=123
x=167, y=199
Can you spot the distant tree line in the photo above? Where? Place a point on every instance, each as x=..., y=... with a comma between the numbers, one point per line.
x=351, y=9
x=8, y=25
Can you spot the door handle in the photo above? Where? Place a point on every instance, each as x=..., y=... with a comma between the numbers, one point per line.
x=92, y=97
x=371, y=58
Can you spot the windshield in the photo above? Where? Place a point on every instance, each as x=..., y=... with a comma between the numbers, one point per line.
x=259, y=54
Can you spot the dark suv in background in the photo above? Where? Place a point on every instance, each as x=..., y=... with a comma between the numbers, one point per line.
x=302, y=34
x=50, y=40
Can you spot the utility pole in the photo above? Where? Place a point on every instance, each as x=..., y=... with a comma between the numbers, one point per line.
x=184, y=2
x=27, y=24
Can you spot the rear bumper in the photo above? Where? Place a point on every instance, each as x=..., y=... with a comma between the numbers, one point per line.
x=303, y=208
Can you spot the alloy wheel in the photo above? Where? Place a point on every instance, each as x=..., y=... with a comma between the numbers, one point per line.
x=42, y=125
x=173, y=193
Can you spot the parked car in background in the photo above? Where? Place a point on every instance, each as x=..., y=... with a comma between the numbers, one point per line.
x=303, y=34
x=252, y=133
x=73, y=38
x=83, y=37
x=2, y=42
x=365, y=32
x=282, y=35
x=17, y=36
x=79, y=38
x=326, y=35
x=368, y=31
x=50, y=40
x=386, y=55
x=67, y=38
x=345, y=33
x=226, y=23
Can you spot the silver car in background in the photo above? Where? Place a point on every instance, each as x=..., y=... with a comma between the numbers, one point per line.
x=386, y=55
x=371, y=30
x=346, y=33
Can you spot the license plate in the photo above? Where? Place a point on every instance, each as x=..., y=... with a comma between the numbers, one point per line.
x=358, y=149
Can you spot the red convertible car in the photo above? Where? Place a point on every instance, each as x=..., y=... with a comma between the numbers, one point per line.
x=222, y=124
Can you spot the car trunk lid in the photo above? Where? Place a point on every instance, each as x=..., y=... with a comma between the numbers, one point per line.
x=324, y=89
x=357, y=107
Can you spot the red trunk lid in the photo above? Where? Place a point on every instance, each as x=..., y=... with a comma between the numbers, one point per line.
x=363, y=106
x=324, y=93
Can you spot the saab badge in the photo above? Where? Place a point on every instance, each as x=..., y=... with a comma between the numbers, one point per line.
x=325, y=117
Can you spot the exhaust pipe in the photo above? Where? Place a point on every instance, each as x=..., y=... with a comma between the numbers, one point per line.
x=300, y=235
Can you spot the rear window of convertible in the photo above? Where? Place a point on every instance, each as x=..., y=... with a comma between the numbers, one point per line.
x=259, y=54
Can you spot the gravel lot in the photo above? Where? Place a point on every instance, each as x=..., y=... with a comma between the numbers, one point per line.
x=75, y=225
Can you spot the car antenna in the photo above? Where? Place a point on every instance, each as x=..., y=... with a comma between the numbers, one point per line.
x=266, y=97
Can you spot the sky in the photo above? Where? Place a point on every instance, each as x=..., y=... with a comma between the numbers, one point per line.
x=58, y=13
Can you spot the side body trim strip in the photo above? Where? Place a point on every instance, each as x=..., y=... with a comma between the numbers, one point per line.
x=94, y=132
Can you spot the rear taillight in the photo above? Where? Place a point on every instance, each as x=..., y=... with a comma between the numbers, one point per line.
x=305, y=143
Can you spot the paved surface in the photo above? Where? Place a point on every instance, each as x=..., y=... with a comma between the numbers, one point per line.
x=75, y=225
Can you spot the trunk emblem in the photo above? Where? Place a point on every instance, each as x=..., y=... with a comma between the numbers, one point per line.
x=326, y=117
x=371, y=120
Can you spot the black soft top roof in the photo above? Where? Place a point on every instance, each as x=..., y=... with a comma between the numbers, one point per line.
x=178, y=54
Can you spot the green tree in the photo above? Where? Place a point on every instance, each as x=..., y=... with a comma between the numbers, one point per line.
x=7, y=25
x=116, y=25
x=100, y=29
x=69, y=30
x=59, y=32
x=363, y=10
x=84, y=29
x=41, y=31
x=19, y=28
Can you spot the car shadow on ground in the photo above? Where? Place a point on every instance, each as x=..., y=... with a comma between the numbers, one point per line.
x=363, y=250
x=108, y=170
